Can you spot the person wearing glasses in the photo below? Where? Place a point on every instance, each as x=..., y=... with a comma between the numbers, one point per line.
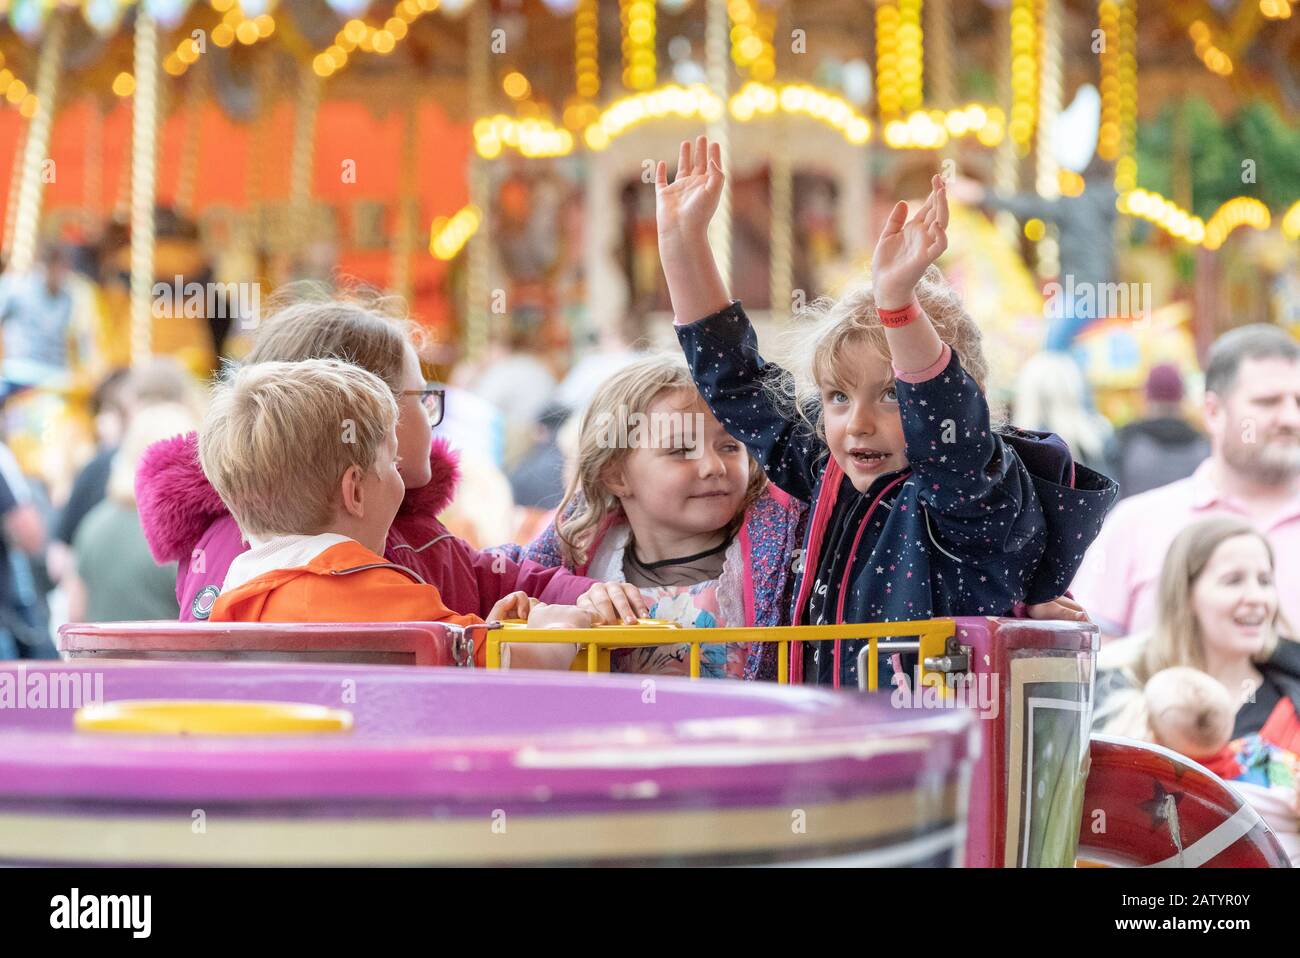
x=185, y=520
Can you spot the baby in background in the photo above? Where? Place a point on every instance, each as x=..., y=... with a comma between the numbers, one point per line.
x=304, y=455
x=1191, y=712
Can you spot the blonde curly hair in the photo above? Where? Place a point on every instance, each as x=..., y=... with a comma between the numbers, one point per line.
x=629, y=392
x=812, y=352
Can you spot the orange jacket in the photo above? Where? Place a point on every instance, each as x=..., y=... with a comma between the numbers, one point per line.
x=344, y=583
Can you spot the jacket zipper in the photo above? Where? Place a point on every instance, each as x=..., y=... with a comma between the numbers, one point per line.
x=816, y=531
x=848, y=569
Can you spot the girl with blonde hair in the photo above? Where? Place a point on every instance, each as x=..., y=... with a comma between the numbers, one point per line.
x=919, y=507
x=663, y=499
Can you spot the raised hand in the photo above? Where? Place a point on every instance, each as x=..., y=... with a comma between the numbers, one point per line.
x=684, y=207
x=906, y=248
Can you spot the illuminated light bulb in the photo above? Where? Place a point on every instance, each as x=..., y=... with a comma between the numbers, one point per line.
x=742, y=110
x=383, y=42
x=223, y=35
x=123, y=86
x=516, y=85
x=265, y=25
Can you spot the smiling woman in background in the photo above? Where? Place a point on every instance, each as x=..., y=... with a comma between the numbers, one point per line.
x=1218, y=612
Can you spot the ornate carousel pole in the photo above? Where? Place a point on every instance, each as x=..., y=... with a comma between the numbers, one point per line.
x=92, y=184
x=1050, y=95
x=780, y=256
x=1006, y=164
x=264, y=85
x=781, y=260
x=407, y=204
x=304, y=151
x=144, y=137
x=195, y=97
x=15, y=181
x=477, y=317
x=27, y=219
x=940, y=53
x=717, y=44
x=939, y=56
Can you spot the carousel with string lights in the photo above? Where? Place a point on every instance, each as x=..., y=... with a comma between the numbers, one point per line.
x=488, y=160
x=492, y=162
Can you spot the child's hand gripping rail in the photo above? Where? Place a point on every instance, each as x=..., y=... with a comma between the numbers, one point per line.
x=935, y=643
x=597, y=653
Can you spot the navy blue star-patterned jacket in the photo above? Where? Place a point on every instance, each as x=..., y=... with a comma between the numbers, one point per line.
x=979, y=522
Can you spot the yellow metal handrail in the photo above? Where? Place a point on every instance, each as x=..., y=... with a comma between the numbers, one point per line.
x=932, y=638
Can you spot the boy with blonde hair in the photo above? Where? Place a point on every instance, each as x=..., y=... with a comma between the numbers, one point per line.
x=304, y=455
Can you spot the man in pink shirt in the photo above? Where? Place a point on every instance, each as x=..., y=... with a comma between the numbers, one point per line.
x=1252, y=411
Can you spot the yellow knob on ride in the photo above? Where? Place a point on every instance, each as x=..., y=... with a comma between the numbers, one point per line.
x=210, y=717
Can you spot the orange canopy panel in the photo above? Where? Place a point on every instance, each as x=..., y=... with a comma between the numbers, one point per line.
x=241, y=166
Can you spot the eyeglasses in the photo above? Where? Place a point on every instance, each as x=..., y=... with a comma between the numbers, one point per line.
x=433, y=399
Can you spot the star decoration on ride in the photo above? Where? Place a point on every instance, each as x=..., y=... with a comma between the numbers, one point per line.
x=1160, y=804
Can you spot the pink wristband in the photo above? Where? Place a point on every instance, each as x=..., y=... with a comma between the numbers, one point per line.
x=894, y=318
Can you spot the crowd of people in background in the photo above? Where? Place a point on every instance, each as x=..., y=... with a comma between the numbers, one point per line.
x=1196, y=569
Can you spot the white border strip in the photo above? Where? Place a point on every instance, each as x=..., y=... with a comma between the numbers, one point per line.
x=1214, y=842
x=1035, y=702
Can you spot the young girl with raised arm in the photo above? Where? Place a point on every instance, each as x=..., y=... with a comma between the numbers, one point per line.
x=919, y=507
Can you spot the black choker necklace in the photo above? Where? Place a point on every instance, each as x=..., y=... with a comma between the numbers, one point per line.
x=651, y=566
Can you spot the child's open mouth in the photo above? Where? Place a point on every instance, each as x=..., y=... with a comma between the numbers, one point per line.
x=868, y=458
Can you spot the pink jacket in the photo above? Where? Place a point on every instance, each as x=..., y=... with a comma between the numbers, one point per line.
x=185, y=521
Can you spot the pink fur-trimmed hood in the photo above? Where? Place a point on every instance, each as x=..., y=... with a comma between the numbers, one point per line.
x=177, y=504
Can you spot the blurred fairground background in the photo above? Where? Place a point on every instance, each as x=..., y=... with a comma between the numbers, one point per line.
x=1128, y=178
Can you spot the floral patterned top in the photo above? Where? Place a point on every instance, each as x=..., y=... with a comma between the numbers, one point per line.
x=705, y=605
